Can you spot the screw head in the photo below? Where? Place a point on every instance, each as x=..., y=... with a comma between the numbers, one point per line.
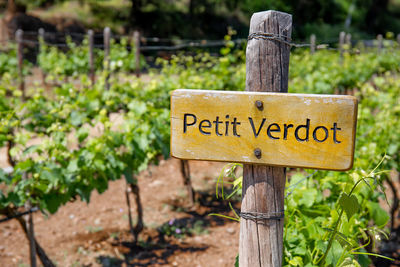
x=257, y=153
x=259, y=105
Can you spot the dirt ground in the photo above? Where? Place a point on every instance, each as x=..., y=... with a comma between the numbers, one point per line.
x=97, y=234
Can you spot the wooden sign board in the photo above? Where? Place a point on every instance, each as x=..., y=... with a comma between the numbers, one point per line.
x=295, y=130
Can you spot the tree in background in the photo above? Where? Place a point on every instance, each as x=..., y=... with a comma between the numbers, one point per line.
x=210, y=18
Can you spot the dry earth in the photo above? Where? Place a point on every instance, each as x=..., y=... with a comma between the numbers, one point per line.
x=97, y=234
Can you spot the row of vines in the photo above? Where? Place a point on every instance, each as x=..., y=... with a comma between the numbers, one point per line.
x=66, y=137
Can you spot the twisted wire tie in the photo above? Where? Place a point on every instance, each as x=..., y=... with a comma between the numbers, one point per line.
x=255, y=216
x=274, y=37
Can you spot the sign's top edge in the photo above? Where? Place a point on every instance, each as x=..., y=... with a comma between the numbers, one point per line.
x=201, y=91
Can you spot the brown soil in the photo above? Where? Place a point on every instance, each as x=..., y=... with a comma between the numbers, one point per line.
x=97, y=234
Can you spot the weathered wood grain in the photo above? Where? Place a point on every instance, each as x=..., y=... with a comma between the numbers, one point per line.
x=20, y=59
x=312, y=43
x=106, y=40
x=295, y=130
x=91, y=56
x=267, y=69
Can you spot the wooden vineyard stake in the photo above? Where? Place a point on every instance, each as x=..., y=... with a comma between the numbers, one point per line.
x=42, y=41
x=398, y=40
x=312, y=43
x=380, y=43
x=91, y=56
x=30, y=230
x=20, y=58
x=106, y=36
x=267, y=129
x=41, y=33
x=136, y=38
x=267, y=69
x=348, y=42
x=341, y=44
x=185, y=171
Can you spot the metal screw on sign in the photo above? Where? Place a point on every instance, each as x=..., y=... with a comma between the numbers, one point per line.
x=257, y=153
x=259, y=105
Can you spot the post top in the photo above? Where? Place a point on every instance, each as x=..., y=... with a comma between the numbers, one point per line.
x=259, y=19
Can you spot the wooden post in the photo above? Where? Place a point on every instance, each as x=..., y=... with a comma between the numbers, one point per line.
x=380, y=42
x=41, y=34
x=185, y=171
x=20, y=57
x=398, y=39
x=106, y=36
x=30, y=231
x=267, y=69
x=136, y=38
x=312, y=42
x=91, y=56
x=341, y=43
x=348, y=41
x=41, y=42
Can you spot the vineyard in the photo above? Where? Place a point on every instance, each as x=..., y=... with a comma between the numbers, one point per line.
x=65, y=137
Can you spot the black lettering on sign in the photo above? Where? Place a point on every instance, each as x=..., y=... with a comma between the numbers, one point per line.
x=334, y=129
x=274, y=130
x=285, y=130
x=254, y=129
x=201, y=126
x=235, y=123
x=226, y=125
x=315, y=134
x=270, y=129
x=217, y=122
x=185, y=124
x=307, y=127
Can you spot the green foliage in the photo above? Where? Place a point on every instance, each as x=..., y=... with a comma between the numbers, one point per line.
x=9, y=63
x=74, y=60
x=316, y=232
x=76, y=138
x=68, y=161
x=324, y=72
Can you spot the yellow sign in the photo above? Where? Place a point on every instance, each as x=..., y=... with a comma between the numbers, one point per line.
x=294, y=130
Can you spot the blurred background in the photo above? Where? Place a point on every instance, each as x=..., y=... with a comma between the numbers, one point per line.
x=207, y=19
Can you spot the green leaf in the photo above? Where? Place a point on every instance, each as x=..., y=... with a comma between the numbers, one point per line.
x=300, y=249
x=82, y=134
x=84, y=193
x=340, y=237
x=378, y=214
x=73, y=166
x=128, y=174
x=77, y=118
x=349, y=204
x=296, y=261
x=24, y=165
x=14, y=198
x=308, y=197
x=3, y=177
x=334, y=253
x=52, y=202
x=349, y=262
x=49, y=175
x=32, y=149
